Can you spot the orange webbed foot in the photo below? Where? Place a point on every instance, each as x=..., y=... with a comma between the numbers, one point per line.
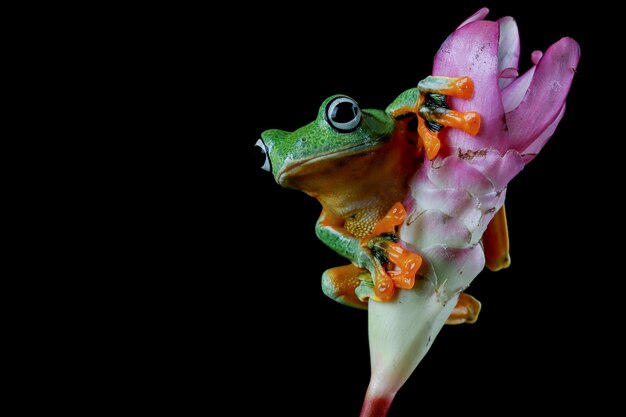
x=461, y=87
x=397, y=266
x=433, y=113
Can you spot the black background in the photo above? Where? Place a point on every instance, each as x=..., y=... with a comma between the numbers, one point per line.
x=237, y=302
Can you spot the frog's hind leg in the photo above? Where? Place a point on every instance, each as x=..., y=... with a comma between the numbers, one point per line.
x=465, y=311
x=340, y=283
x=496, y=242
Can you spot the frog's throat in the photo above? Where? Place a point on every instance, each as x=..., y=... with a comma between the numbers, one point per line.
x=294, y=167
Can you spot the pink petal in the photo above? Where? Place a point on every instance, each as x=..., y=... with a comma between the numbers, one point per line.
x=536, y=57
x=495, y=167
x=490, y=204
x=546, y=94
x=479, y=15
x=455, y=203
x=508, y=48
x=452, y=266
x=456, y=174
x=513, y=94
x=509, y=73
x=533, y=149
x=432, y=228
x=473, y=51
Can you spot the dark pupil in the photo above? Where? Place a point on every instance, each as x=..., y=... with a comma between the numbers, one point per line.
x=259, y=155
x=343, y=112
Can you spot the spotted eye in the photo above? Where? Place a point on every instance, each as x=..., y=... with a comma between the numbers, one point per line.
x=343, y=114
x=261, y=155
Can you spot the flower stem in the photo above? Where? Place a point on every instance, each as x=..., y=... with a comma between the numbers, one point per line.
x=375, y=406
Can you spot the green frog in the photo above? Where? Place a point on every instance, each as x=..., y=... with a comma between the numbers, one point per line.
x=357, y=163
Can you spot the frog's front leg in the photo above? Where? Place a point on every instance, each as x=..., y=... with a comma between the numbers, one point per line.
x=433, y=109
x=461, y=87
x=433, y=112
x=379, y=262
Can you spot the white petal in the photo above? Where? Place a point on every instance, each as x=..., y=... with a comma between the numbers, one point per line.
x=400, y=334
x=508, y=47
x=513, y=94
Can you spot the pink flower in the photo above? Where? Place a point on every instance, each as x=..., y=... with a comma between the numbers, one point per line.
x=454, y=197
x=518, y=114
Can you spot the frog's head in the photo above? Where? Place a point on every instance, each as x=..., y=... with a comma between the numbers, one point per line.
x=341, y=130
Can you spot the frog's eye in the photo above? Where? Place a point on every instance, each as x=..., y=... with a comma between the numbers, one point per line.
x=261, y=155
x=343, y=114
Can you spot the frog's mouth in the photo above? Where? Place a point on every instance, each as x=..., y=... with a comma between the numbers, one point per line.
x=325, y=161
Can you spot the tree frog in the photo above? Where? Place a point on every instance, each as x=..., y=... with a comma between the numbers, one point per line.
x=356, y=163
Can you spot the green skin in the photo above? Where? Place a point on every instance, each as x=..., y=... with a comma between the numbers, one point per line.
x=356, y=174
